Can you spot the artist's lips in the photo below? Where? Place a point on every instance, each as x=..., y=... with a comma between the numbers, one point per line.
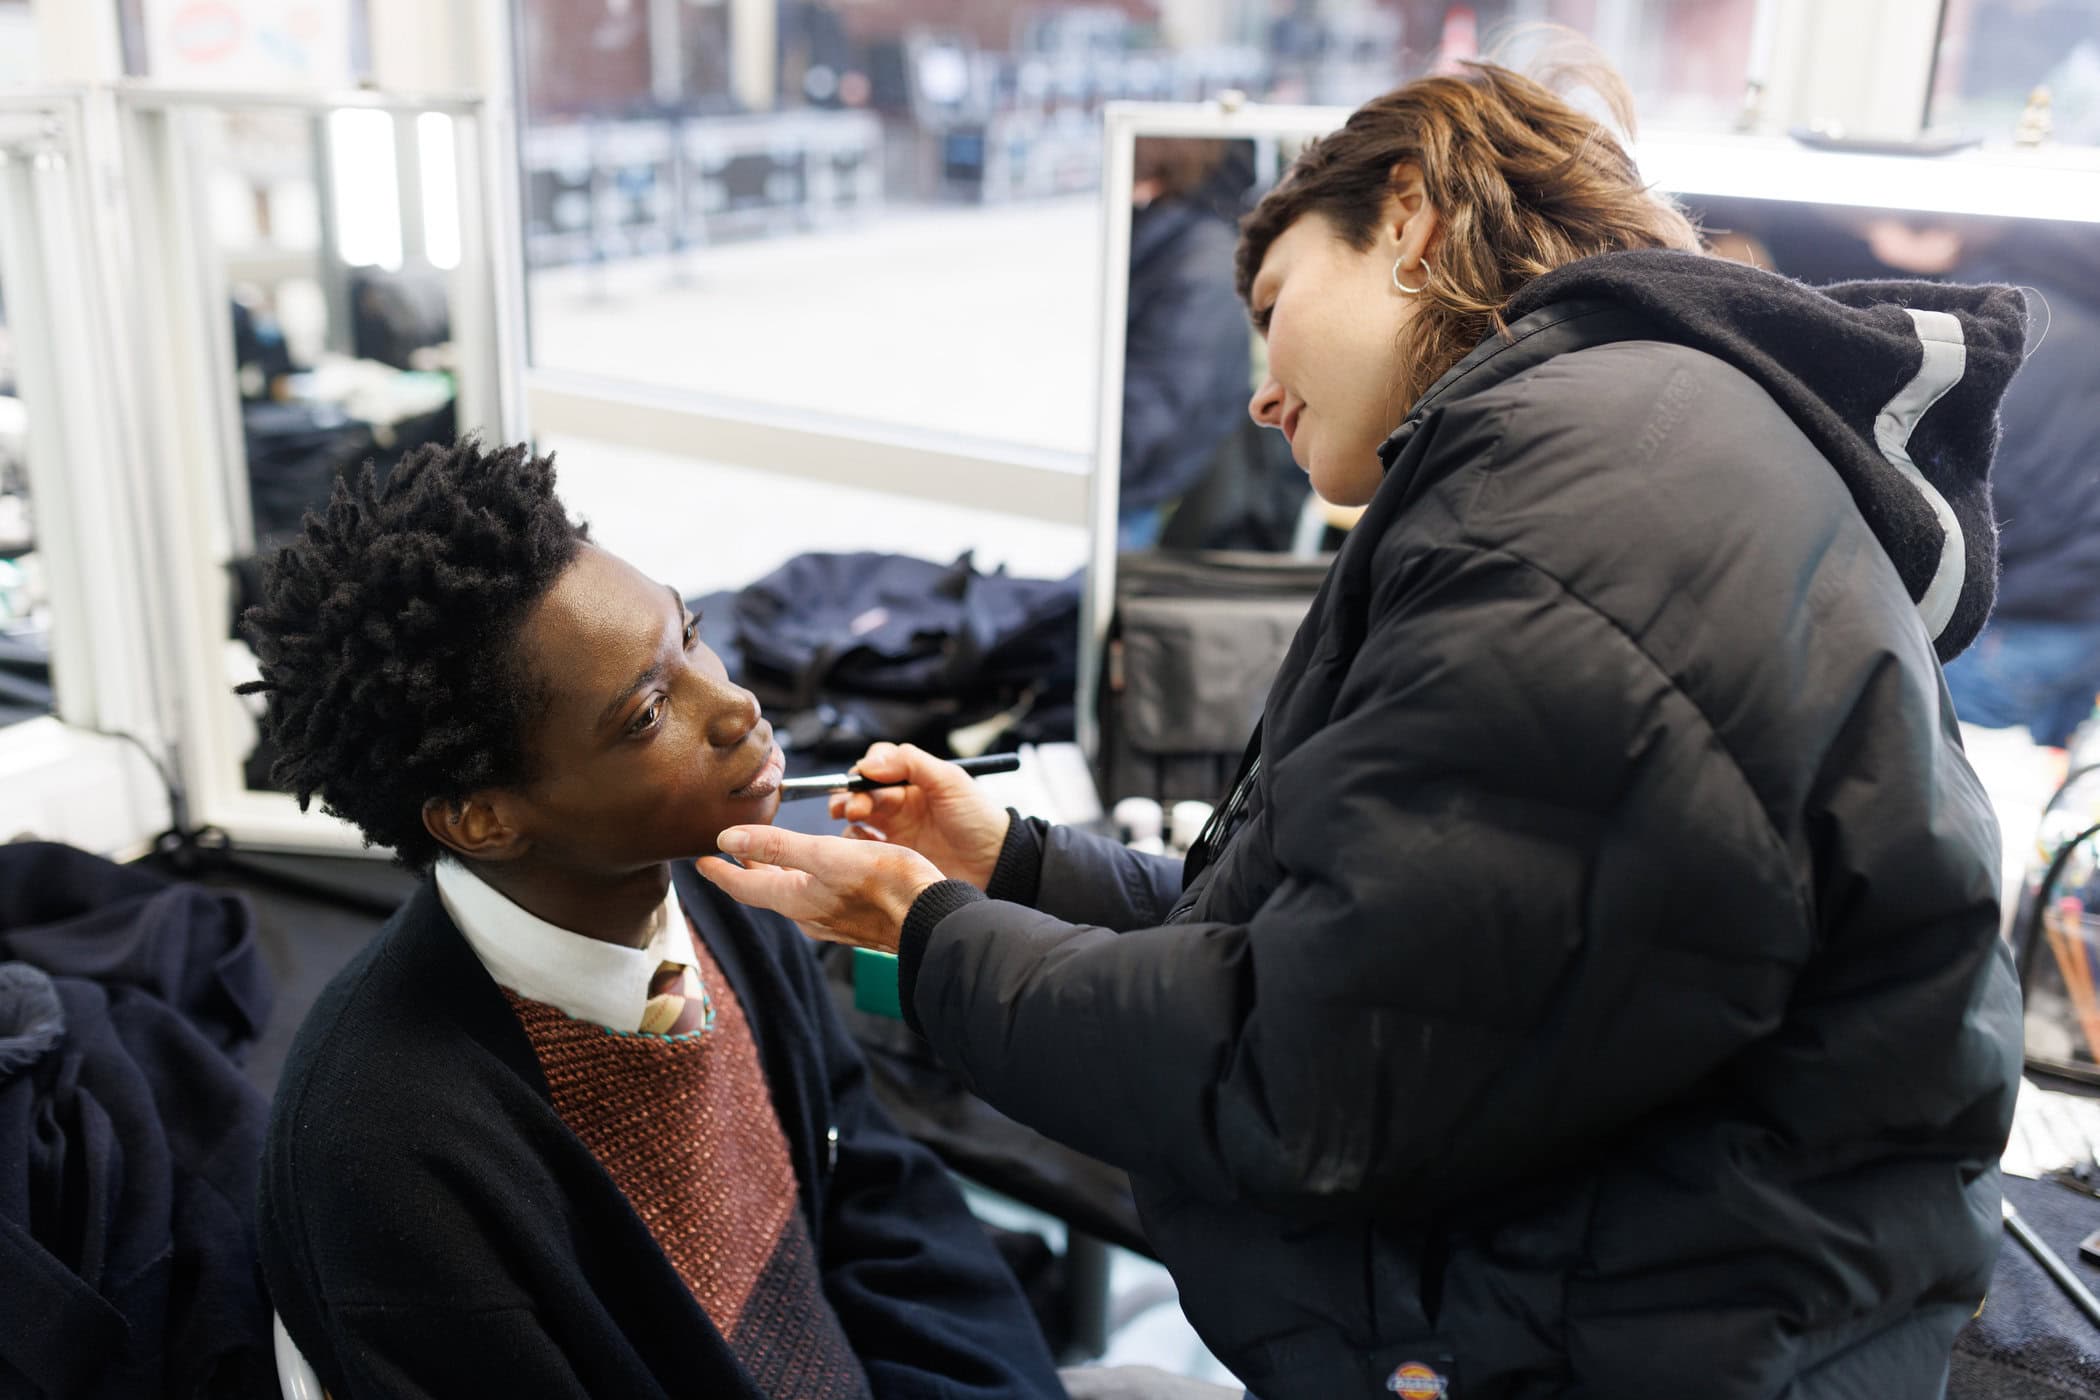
x=766, y=781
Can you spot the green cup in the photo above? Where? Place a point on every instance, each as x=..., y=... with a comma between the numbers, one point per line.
x=875, y=984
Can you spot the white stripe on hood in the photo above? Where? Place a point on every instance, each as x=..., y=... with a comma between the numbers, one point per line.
x=1946, y=356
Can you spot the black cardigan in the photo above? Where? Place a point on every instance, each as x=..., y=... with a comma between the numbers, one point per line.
x=431, y=1227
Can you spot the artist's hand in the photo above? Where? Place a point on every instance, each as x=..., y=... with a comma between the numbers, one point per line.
x=851, y=892
x=942, y=815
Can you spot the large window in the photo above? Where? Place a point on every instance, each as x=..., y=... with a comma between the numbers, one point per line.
x=888, y=212
x=1994, y=55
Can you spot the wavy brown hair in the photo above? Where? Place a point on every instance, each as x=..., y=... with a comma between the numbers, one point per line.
x=1522, y=181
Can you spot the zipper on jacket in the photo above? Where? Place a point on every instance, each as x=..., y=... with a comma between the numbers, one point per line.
x=1225, y=818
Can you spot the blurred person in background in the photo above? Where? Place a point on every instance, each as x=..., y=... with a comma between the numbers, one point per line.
x=2037, y=663
x=1187, y=358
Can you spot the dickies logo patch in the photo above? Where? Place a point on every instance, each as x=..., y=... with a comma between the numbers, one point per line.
x=1411, y=1380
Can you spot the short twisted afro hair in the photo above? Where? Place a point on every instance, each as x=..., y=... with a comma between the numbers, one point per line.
x=387, y=637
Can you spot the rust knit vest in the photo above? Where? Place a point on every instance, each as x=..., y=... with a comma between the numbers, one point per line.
x=685, y=1127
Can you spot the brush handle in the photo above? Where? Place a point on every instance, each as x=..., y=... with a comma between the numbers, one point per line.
x=824, y=784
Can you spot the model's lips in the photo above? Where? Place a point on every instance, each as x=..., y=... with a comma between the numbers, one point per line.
x=766, y=781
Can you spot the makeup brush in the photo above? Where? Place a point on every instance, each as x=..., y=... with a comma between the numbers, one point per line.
x=824, y=784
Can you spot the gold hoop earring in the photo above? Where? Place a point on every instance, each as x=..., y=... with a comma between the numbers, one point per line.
x=1411, y=291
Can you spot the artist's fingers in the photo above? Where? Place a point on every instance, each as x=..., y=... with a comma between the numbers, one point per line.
x=934, y=775
x=776, y=845
x=885, y=763
x=786, y=892
x=886, y=805
x=865, y=806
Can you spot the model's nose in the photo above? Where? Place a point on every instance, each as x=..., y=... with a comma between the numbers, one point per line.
x=735, y=716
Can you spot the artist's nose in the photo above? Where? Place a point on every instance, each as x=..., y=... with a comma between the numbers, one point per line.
x=1266, y=407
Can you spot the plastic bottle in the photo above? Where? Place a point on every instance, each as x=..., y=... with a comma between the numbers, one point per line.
x=1139, y=824
x=1190, y=817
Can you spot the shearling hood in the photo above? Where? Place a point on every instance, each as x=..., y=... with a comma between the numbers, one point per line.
x=1897, y=383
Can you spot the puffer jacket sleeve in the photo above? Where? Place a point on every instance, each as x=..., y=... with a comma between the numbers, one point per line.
x=1084, y=878
x=1522, y=894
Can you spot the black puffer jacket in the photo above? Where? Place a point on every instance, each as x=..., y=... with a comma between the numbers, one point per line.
x=1602, y=996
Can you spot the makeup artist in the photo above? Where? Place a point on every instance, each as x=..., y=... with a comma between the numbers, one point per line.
x=1592, y=986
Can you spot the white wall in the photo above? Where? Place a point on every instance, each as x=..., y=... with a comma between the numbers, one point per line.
x=18, y=43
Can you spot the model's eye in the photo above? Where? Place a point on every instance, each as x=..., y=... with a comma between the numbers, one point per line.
x=1261, y=318
x=650, y=717
x=692, y=631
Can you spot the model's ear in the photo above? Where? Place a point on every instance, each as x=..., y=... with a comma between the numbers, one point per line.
x=480, y=826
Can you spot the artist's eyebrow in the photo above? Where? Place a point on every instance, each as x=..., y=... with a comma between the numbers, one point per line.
x=649, y=675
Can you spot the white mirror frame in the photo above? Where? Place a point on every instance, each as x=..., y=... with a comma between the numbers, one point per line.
x=1122, y=124
x=64, y=777
x=2060, y=183
x=186, y=374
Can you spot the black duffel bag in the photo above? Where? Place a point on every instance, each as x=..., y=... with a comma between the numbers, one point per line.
x=845, y=649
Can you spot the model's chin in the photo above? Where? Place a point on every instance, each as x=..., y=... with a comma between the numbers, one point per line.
x=759, y=809
x=1346, y=487
x=718, y=817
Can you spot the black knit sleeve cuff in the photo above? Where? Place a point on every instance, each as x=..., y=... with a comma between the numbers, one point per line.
x=935, y=903
x=1017, y=878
